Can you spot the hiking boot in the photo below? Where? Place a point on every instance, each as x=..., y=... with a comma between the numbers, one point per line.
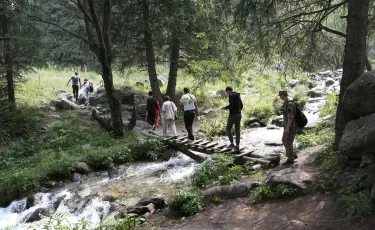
x=231, y=146
x=237, y=148
x=288, y=162
x=153, y=127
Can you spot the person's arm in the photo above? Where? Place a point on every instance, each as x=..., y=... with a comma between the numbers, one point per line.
x=68, y=82
x=230, y=103
x=290, y=114
x=196, y=108
x=80, y=82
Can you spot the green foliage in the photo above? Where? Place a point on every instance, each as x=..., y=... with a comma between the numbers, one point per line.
x=220, y=170
x=330, y=167
x=265, y=192
x=356, y=203
x=186, y=202
x=330, y=107
x=217, y=199
x=300, y=96
x=17, y=122
x=215, y=126
x=321, y=134
x=59, y=222
x=49, y=155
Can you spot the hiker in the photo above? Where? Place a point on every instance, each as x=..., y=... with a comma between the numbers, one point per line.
x=190, y=107
x=152, y=110
x=290, y=126
x=86, y=84
x=169, y=116
x=235, y=106
x=76, y=84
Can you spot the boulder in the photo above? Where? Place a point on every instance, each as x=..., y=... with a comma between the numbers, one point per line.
x=66, y=96
x=367, y=160
x=36, y=214
x=65, y=104
x=250, y=121
x=358, y=137
x=157, y=200
x=278, y=121
x=326, y=73
x=30, y=201
x=291, y=177
x=367, y=177
x=315, y=93
x=348, y=178
x=126, y=93
x=139, y=210
x=82, y=168
x=142, y=110
x=329, y=81
x=359, y=97
x=372, y=194
x=293, y=83
x=113, y=173
x=255, y=125
x=228, y=191
x=76, y=177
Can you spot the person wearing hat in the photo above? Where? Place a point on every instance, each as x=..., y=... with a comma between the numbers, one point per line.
x=289, y=124
x=188, y=104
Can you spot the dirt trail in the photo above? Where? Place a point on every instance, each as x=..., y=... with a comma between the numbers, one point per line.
x=316, y=210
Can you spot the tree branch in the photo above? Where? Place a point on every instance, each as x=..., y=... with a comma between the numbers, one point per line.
x=96, y=22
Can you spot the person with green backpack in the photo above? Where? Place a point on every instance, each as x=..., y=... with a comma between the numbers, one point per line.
x=293, y=117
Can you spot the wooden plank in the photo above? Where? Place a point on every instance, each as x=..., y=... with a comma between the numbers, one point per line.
x=245, y=153
x=210, y=145
x=220, y=146
x=197, y=141
x=181, y=138
x=170, y=138
x=204, y=143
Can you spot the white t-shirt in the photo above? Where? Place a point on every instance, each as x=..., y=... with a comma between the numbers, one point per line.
x=188, y=101
x=169, y=109
x=87, y=86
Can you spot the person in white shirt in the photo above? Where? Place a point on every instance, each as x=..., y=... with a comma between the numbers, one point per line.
x=190, y=107
x=168, y=112
x=86, y=85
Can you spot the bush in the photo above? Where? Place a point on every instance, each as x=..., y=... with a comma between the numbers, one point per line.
x=321, y=134
x=220, y=170
x=265, y=192
x=356, y=203
x=330, y=107
x=186, y=202
x=215, y=127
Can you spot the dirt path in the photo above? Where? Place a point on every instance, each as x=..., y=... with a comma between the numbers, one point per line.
x=316, y=210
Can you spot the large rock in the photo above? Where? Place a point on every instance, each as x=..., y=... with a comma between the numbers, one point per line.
x=291, y=177
x=228, y=191
x=65, y=104
x=359, y=97
x=37, y=213
x=250, y=121
x=315, y=93
x=329, y=81
x=162, y=80
x=157, y=200
x=82, y=168
x=358, y=137
x=293, y=82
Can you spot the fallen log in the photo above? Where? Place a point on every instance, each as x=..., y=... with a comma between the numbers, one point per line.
x=245, y=159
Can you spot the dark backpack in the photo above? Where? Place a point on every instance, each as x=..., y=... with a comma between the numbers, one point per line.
x=299, y=117
x=91, y=87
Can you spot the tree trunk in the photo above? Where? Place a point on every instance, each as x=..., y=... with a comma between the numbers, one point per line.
x=354, y=59
x=173, y=68
x=150, y=53
x=8, y=62
x=113, y=100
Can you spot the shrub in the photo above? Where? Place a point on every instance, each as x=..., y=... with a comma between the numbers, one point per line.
x=265, y=192
x=321, y=134
x=215, y=127
x=186, y=202
x=330, y=107
x=356, y=202
x=220, y=170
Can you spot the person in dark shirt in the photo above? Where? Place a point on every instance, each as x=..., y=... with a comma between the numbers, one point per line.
x=152, y=110
x=235, y=106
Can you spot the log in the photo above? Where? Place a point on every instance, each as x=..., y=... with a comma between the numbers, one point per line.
x=187, y=152
x=261, y=161
x=210, y=145
x=245, y=153
x=272, y=158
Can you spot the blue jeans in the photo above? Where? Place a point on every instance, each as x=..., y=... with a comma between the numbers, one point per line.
x=87, y=96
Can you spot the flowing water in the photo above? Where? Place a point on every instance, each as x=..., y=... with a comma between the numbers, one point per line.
x=92, y=198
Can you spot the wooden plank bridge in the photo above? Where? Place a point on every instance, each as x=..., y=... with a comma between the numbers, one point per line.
x=243, y=155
